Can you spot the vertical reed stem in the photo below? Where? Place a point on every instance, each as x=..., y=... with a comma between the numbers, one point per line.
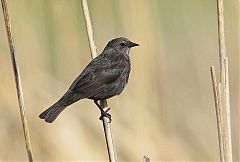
x=218, y=112
x=221, y=32
x=89, y=29
x=103, y=103
x=225, y=104
x=221, y=93
x=224, y=80
x=17, y=81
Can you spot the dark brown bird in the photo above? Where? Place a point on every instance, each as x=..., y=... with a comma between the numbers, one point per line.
x=104, y=77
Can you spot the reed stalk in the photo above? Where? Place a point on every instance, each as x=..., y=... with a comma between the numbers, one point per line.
x=17, y=81
x=221, y=92
x=103, y=103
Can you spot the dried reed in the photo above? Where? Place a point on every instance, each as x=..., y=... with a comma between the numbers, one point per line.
x=17, y=81
x=221, y=93
x=103, y=103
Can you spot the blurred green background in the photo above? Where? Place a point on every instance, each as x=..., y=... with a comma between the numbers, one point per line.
x=167, y=109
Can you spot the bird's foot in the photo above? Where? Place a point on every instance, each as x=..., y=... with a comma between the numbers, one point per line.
x=105, y=114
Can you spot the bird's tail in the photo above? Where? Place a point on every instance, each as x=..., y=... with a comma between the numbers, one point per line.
x=52, y=112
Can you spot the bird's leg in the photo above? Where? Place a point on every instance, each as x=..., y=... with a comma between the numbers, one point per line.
x=103, y=113
x=96, y=102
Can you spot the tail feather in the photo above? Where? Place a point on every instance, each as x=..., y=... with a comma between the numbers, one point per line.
x=51, y=113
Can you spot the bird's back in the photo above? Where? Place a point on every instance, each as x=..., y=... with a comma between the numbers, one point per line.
x=104, y=77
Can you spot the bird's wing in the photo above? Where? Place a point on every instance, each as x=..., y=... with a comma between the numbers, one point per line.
x=95, y=78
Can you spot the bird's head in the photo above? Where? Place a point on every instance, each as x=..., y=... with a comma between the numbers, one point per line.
x=121, y=44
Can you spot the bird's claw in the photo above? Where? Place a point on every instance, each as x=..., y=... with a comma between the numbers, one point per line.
x=105, y=114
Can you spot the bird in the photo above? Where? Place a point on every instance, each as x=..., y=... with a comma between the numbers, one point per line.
x=104, y=77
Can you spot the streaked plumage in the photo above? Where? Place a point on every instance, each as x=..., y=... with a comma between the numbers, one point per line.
x=104, y=77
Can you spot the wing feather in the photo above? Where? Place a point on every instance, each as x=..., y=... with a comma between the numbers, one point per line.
x=94, y=78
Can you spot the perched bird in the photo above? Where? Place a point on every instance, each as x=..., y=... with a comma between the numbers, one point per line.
x=104, y=77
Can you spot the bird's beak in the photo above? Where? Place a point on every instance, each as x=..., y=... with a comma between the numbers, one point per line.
x=132, y=44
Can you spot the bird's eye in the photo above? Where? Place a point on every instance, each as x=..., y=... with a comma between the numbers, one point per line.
x=122, y=44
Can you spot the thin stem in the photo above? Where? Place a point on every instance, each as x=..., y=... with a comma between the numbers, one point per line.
x=225, y=103
x=89, y=28
x=221, y=94
x=221, y=33
x=17, y=81
x=218, y=112
x=108, y=134
x=103, y=103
